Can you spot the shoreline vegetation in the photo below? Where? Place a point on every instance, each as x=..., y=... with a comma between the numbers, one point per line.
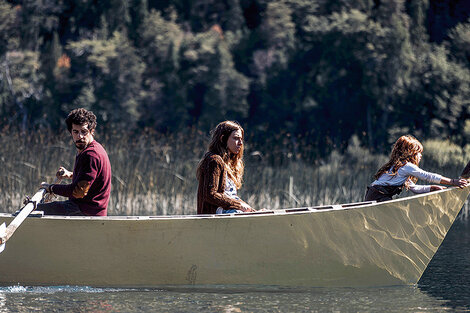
x=318, y=71
x=322, y=87
x=155, y=174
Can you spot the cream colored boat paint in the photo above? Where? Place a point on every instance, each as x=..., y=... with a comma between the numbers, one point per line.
x=3, y=227
x=366, y=245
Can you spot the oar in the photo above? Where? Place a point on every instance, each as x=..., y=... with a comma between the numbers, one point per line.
x=7, y=232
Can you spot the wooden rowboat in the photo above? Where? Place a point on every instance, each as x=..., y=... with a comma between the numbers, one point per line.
x=362, y=244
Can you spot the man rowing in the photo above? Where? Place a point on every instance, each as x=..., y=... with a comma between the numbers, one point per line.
x=90, y=188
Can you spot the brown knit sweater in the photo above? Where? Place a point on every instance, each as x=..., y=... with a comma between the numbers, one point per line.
x=210, y=192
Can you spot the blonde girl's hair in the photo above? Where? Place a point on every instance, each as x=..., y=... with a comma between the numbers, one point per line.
x=405, y=149
x=218, y=145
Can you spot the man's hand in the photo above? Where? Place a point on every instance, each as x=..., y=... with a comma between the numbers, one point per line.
x=46, y=186
x=64, y=173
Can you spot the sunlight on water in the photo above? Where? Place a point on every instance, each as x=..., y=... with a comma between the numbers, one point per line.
x=217, y=299
x=52, y=289
x=13, y=289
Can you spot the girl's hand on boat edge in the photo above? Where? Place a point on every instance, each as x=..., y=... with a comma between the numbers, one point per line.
x=437, y=187
x=459, y=182
x=246, y=207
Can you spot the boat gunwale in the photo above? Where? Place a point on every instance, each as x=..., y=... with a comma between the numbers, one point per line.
x=278, y=212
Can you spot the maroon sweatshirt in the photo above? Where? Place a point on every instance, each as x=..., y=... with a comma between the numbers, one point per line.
x=91, y=182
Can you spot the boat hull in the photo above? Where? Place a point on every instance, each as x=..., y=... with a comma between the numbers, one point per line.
x=365, y=245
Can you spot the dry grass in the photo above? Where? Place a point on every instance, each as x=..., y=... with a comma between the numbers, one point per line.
x=155, y=174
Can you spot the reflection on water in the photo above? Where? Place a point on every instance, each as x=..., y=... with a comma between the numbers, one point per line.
x=444, y=286
x=448, y=275
x=221, y=299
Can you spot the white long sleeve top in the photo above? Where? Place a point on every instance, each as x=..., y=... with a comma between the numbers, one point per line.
x=404, y=173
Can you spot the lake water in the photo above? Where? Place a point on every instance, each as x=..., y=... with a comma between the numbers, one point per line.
x=445, y=286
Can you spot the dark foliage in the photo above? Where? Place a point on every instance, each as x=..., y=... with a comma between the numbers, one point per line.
x=302, y=76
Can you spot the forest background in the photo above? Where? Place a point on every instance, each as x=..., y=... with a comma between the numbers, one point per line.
x=322, y=88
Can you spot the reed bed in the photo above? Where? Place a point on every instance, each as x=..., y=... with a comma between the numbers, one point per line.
x=154, y=174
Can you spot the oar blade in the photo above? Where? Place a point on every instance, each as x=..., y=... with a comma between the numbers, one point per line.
x=3, y=228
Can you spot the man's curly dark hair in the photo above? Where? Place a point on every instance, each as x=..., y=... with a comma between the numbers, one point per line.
x=81, y=117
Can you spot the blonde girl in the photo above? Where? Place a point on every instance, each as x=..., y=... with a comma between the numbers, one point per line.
x=402, y=171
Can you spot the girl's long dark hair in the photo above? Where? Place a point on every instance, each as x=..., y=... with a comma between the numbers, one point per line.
x=218, y=145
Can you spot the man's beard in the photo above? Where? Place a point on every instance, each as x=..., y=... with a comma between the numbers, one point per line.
x=80, y=145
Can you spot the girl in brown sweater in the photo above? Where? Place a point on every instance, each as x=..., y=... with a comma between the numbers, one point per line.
x=220, y=172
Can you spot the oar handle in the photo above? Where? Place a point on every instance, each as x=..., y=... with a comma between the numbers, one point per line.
x=22, y=215
x=48, y=197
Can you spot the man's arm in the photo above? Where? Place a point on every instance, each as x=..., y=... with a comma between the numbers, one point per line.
x=86, y=172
